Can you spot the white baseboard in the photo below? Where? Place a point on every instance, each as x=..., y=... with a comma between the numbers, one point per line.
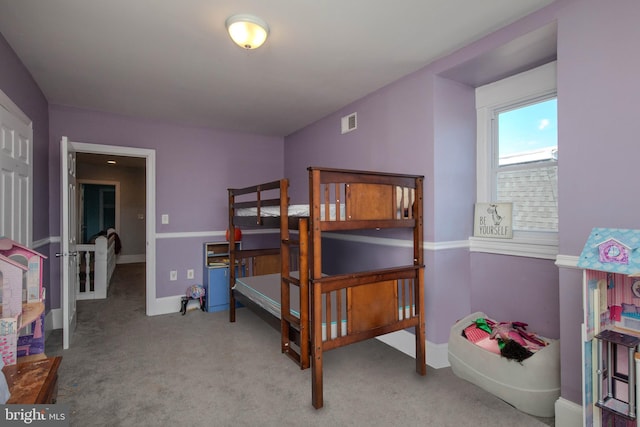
x=437, y=354
x=568, y=413
x=130, y=259
x=53, y=319
x=164, y=305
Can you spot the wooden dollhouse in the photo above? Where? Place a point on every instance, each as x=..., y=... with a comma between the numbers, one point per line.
x=22, y=295
x=611, y=328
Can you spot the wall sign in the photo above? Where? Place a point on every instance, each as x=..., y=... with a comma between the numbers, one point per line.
x=493, y=220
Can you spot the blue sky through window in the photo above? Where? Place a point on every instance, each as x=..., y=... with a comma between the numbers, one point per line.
x=528, y=128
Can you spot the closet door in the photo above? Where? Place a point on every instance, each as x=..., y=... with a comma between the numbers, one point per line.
x=15, y=173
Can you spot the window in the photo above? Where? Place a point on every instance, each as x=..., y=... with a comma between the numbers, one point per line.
x=517, y=159
x=526, y=171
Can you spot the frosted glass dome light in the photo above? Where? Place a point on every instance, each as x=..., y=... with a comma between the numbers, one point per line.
x=247, y=31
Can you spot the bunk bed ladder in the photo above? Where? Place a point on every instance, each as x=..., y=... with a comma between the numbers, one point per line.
x=288, y=321
x=232, y=257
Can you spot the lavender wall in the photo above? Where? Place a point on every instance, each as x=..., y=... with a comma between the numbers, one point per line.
x=194, y=167
x=389, y=121
x=19, y=86
x=508, y=280
x=571, y=318
x=598, y=90
x=597, y=94
x=426, y=124
x=452, y=173
x=453, y=165
x=446, y=289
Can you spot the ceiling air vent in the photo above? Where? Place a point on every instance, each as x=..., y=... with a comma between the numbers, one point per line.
x=349, y=123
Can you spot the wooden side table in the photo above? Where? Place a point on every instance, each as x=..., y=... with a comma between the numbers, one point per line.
x=34, y=382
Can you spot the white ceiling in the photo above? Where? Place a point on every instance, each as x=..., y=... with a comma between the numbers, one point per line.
x=172, y=60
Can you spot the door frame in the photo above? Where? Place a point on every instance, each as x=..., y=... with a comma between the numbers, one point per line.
x=115, y=184
x=150, y=170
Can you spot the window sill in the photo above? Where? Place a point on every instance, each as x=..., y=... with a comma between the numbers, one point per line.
x=531, y=245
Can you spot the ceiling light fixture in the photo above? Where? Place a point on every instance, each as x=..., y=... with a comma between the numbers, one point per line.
x=247, y=31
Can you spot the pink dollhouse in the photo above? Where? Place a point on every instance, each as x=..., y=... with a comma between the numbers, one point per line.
x=11, y=273
x=611, y=328
x=22, y=316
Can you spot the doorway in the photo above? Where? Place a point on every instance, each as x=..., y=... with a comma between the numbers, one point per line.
x=99, y=207
x=147, y=157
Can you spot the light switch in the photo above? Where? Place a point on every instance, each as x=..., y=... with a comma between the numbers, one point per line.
x=165, y=218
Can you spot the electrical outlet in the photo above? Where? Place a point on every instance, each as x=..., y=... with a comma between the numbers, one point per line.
x=173, y=275
x=190, y=273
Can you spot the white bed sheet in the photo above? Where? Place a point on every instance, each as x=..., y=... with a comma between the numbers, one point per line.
x=264, y=290
x=294, y=211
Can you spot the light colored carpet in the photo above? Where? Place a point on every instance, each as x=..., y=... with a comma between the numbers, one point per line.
x=127, y=369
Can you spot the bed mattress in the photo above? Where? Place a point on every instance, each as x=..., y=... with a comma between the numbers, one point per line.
x=294, y=211
x=532, y=386
x=264, y=290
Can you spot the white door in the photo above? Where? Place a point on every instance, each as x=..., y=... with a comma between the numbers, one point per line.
x=15, y=177
x=68, y=241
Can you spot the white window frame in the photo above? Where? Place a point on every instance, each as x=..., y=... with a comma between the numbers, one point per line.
x=522, y=88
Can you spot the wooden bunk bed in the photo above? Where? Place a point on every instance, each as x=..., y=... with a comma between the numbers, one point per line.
x=316, y=312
